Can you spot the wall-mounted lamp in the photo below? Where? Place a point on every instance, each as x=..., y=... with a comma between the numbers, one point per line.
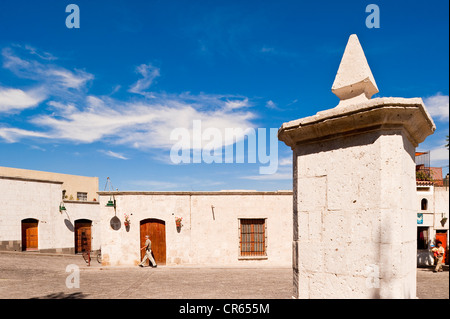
x=111, y=203
x=112, y=200
x=61, y=207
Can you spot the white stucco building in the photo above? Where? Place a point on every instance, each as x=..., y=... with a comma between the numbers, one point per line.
x=31, y=218
x=225, y=228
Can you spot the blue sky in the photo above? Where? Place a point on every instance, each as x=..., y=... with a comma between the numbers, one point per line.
x=102, y=100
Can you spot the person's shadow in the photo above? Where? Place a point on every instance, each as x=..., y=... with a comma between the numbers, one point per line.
x=62, y=295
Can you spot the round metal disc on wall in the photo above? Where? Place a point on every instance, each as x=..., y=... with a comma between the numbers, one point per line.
x=115, y=223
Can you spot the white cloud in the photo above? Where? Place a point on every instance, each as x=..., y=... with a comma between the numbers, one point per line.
x=41, y=54
x=438, y=106
x=15, y=134
x=73, y=115
x=140, y=125
x=15, y=99
x=439, y=154
x=55, y=77
x=282, y=173
x=285, y=161
x=159, y=185
x=271, y=105
x=265, y=49
x=269, y=177
x=115, y=155
x=68, y=78
x=236, y=104
x=149, y=74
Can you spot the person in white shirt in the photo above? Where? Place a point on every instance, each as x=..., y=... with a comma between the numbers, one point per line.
x=148, y=253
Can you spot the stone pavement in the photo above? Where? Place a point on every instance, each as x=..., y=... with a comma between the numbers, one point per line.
x=28, y=275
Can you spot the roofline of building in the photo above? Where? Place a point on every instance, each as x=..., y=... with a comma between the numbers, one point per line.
x=46, y=172
x=196, y=193
x=25, y=179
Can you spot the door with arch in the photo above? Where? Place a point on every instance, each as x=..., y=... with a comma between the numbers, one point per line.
x=30, y=234
x=156, y=229
x=441, y=235
x=83, y=235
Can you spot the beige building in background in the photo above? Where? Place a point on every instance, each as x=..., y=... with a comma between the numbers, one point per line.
x=74, y=187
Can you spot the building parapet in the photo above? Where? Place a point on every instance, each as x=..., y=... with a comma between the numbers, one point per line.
x=196, y=193
x=26, y=179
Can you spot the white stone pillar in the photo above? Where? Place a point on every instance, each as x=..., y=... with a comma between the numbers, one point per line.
x=354, y=190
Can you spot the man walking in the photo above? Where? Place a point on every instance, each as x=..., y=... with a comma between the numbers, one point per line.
x=148, y=253
x=440, y=251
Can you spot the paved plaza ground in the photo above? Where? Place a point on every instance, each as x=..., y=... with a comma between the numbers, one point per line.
x=28, y=275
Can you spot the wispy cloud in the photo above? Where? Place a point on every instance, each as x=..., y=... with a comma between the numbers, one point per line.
x=283, y=173
x=439, y=154
x=438, y=106
x=153, y=185
x=149, y=74
x=265, y=49
x=53, y=76
x=141, y=125
x=182, y=184
x=12, y=135
x=41, y=54
x=12, y=99
x=272, y=105
x=114, y=155
x=269, y=177
x=144, y=123
x=272, y=51
x=285, y=161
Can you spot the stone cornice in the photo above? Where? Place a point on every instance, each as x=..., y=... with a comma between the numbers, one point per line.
x=377, y=113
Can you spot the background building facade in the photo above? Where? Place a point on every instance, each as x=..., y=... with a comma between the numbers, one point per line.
x=432, y=208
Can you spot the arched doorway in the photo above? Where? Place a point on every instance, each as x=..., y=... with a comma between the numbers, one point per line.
x=82, y=235
x=29, y=234
x=156, y=229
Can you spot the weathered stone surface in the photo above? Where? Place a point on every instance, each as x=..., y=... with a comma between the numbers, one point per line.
x=354, y=82
x=354, y=190
x=379, y=113
x=204, y=239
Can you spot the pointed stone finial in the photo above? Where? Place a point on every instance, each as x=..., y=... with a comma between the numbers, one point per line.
x=354, y=82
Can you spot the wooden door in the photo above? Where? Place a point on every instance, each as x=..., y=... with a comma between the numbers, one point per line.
x=443, y=238
x=29, y=234
x=82, y=235
x=156, y=229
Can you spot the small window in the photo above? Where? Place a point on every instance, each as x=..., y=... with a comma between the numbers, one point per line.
x=422, y=237
x=82, y=196
x=424, y=204
x=252, y=237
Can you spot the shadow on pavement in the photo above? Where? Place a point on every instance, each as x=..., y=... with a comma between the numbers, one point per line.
x=431, y=268
x=61, y=295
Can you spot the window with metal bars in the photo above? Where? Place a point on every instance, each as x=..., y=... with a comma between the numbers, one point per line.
x=82, y=196
x=252, y=237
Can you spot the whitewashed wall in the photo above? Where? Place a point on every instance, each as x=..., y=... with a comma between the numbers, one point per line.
x=39, y=199
x=205, y=239
x=21, y=199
